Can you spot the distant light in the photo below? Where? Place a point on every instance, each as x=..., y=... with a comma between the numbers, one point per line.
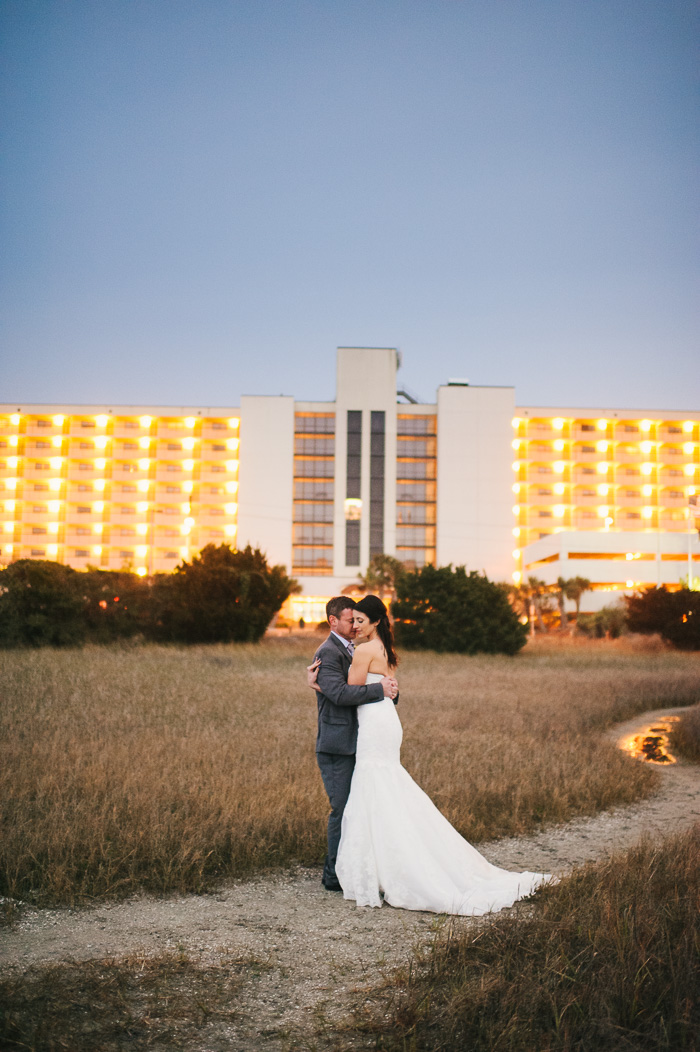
x=14, y=440
x=688, y=426
x=689, y=469
x=645, y=425
x=99, y=484
x=142, y=528
x=516, y=575
x=57, y=420
x=602, y=469
x=516, y=509
x=232, y=466
x=602, y=446
x=608, y=522
x=629, y=556
x=516, y=553
x=647, y=490
x=184, y=552
x=144, y=464
x=646, y=447
x=647, y=469
x=688, y=448
x=15, y=419
x=189, y=522
x=101, y=420
x=558, y=423
x=188, y=443
x=53, y=527
x=144, y=442
x=97, y=549
x=8, y=549
x=188, y=486
x=141, y=571
x=56, y=463
x=142, y=506
x=559, y=467
x=98, y=505
x=601, y=424
x=559, y=445
x=603, y=511
x=190, y=421
x=559, y=511
x=516, y=465
x=232, y=487
x=559, y=488
x=185, y=508
x=97, y=527
x=647, y=512
x=233, y=423
x=603, y=490
x=57, y=441
x=8, y=527
x=10, y=505
x=230, y=530
x=143, y=485
x=230, y=509
x=188, y=465
x=145, y=421
x=54, y=505
x=516, y=487
x=630, y=584
x=142, y=550
x=52, y=549
x=54, y=484
x=232, y=444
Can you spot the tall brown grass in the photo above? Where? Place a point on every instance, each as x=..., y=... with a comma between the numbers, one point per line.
x=165, y=768
x=606, y=961
x=685, y=735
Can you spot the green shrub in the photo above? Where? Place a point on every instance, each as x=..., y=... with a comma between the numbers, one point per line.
x=41, y=605
x=449, y=609
x=674, y=615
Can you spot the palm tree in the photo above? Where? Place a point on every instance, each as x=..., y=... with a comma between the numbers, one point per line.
x=382, y=576
x=575, y=588
x=560, y=592
x=538, y=591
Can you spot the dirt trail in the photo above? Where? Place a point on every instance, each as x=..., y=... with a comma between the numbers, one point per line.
x=323, y=950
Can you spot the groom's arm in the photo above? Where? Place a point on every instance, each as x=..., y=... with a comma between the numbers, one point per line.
x=334, y=685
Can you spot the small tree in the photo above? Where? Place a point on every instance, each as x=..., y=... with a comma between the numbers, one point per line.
x=41, y=604
x=575, y=587
x=674, y=615
x=221, y=596
x=382, y=576
x=561, y=593
x=448, y=609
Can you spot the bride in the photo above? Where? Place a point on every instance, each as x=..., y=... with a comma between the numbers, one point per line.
x=395, y=844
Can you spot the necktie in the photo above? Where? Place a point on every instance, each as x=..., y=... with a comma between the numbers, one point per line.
x=351, y=649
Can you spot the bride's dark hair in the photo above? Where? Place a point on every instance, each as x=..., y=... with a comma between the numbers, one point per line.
x=374, y=609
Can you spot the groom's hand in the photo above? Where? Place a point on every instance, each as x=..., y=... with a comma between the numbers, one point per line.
x=390, y=687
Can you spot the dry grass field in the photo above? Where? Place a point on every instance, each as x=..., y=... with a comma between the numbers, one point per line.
x=168, y=768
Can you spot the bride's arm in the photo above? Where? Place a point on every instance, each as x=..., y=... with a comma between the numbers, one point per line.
x=360, y=666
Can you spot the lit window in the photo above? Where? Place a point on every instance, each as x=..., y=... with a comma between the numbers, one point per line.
x=603, y=490
x=232, y=465
x=15, y=419
x=688, y=448
x=54, y=505
x=12, y=484
x=142, y=550
x=57, y=441
x=645, y=425
x=688, y=426
x=516, y=465
x=559, y=510
x=559, y=467
x=188, y=443
x=233, y=422
x=230, y=531
x=516, y=553
x=602, y=468
x=141, y=529
x=97, y=549
x=516, y=487
x=602, y=447
x=647, y=469
x=144, y=464
x=53, y=527
x=559, y=488
x=56, y=463
x=603, y=511
x=97, y=527
x=142, y=505
x=101, y=420
x=232, y=444
x=187, y=487
x=645, y=447
x=188, y=465
x=141, y=571
x=515, y=421
x=100, y=484
x=144, y=442
x=558, y=424
x=145, y=421
x=647, y=490
x=100, y=463
x=101, y=441
x=601, y=425
x=143, y=485
x=647, y=512
x=516, y=509
x=516, y=531
x=231, y=509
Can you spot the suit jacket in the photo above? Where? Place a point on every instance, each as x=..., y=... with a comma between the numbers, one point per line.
x=337, y=701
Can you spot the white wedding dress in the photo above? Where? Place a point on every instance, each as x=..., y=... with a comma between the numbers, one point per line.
x=396, y=843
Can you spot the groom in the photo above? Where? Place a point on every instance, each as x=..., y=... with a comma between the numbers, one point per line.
x=337, y=719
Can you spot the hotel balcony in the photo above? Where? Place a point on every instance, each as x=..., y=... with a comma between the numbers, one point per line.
x=174, y=429
x=210, y=432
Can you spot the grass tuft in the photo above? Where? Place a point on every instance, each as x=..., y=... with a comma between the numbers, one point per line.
x=685, y=735
x=607, y=960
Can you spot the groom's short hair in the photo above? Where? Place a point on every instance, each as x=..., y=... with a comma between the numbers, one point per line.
x=336, y=605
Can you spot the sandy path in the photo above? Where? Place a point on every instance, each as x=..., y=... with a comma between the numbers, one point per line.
x=321, y=948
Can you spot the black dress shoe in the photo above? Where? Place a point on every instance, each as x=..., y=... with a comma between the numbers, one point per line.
x=331, y=885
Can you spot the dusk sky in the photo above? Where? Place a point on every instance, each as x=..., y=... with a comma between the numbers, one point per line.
x=203, y=198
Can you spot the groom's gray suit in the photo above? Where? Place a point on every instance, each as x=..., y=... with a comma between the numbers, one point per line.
x=337, y=735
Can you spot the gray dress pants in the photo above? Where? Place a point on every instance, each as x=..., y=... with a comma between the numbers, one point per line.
x=336, y=772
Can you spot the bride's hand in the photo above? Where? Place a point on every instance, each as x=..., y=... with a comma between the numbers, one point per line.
x=312, y=674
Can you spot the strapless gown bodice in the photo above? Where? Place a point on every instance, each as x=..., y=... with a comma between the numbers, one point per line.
x=395, y=843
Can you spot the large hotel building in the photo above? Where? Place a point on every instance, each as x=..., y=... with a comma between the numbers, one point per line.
x=321, y=487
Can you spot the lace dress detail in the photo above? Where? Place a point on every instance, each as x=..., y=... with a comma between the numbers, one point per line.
x=397, y=844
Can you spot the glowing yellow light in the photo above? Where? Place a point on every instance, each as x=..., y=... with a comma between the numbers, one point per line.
x=516, y=553
x=647, y=469
x=142, y=550
x=57, y=420
x=187, y=487
x=603, y=511
x=630, y=584
x=647, y=490
x=516, y=465
x=190, y=421
x=53, y=527
x=8, y=527
x=602, y=469
x=602, y=446
x=646, y=447
x=141, y=571
x=12, y=462
x=558, y=424
x=188, y=465
x=52, y=549
x=233, y=422
x=688, y=426
x=57, y=441
x=515, y=443
x=99, y=484
x=100, y=463
x=231, y=509
x=144, y=464
x=184, y=552
x=629, y=556
x=142, y=505
x=559, y=445
x=55, y=505
x=516, y=509
x=690, y=490
x=144, y=442
x=145, y=421
x=232, y=465
x=98, y=505
x=56, y=463
x=647, y=512
x=9, y=505
x=188, y=443
x=689, y=469
x=559, y=488
x=559, y=510
x=516, y=487
x=143, y=485
x=516, y=575
x=184, y=508
x=601, y=424
x=14, y=440
x=101, y=441
x=101, y=420
x=97, y=527
x=230, y=530
x=559, y=466
x=603, y=490
x=232, y=487
x=8, y=549
x=232, y=444
x=97, y=549
x=516, y=531
x=688, y=448
x=142, y=529
x=15, y=419
x=189, y=522
x=55, y=484
x=645, y=425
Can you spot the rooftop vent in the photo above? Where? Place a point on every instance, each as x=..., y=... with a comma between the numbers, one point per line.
x=458, y=383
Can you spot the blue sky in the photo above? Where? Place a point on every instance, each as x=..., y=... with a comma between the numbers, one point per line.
x=203, y=199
